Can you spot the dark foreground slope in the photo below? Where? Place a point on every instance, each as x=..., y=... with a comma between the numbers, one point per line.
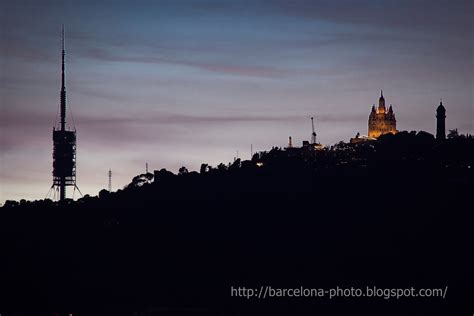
x=391, y=214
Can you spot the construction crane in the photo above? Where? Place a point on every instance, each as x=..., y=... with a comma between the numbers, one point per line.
x=313, y=135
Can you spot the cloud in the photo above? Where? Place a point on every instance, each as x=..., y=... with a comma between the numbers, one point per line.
x=22, y=49
x=21, y=128
x=183, y=119
x=228, y=69
x=434, y=15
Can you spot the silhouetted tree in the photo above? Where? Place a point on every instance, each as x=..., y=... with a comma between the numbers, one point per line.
x=425, y=137
x=163, y=175
x=256, y=157
x=221, y=167
x=183, y=170
x=10, y=203
x=103, y=194
x=141, y=179
x=453, y=133
x=235, y=165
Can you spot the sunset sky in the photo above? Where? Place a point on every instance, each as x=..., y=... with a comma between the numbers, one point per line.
x=176, y=83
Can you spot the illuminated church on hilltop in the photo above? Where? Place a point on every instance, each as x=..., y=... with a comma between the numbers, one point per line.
x=382, y=121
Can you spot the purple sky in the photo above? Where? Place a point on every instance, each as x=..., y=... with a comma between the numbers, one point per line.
x=177, y=83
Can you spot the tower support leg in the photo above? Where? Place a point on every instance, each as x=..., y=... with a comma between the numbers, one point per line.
x=62, y=190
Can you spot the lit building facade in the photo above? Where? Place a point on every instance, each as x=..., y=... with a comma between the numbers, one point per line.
x=381, y=121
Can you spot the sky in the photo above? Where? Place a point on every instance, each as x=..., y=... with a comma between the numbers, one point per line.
x=180, y=83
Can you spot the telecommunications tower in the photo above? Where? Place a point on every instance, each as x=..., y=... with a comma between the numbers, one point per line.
x=64, y=144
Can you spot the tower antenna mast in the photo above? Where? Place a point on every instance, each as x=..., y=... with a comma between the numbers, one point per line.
x=63, y=83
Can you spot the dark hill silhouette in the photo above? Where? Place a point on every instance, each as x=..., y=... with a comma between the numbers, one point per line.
x=392, y=213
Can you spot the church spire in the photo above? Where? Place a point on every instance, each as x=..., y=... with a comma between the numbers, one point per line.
x=381, y=108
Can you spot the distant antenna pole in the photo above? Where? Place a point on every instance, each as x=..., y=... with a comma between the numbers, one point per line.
x=313, y=135
x=146, y=167
x=290, y=142
x=110, y=180
x=251, y=151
